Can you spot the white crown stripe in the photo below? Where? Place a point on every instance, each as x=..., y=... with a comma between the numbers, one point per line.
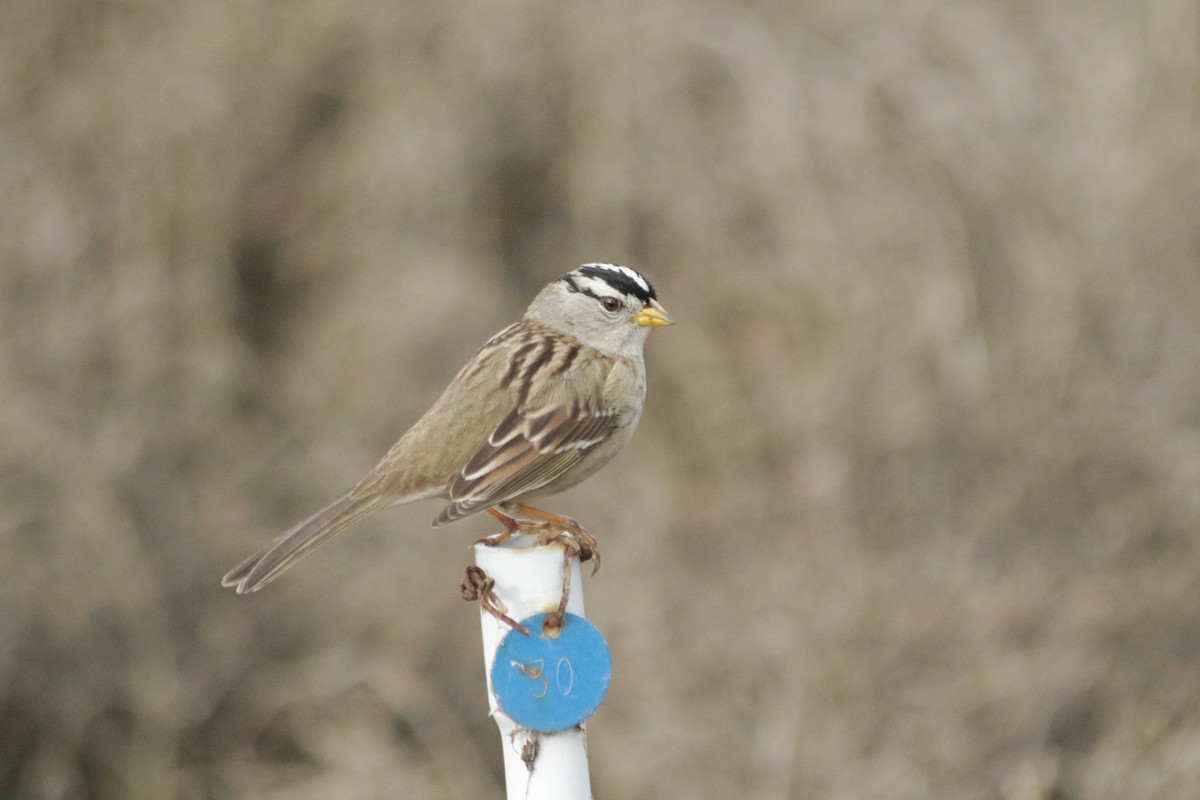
x=599, y=286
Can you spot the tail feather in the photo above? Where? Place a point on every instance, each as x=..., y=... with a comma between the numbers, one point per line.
x=262, y=567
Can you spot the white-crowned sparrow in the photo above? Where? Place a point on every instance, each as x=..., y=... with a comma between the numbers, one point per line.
x=544, y=404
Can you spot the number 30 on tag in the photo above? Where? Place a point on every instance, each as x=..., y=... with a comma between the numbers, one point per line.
x=550, y=685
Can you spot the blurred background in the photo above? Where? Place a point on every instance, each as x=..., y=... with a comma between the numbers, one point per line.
x=913, y=511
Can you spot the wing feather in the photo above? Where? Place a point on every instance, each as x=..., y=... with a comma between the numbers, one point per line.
x=529, y=449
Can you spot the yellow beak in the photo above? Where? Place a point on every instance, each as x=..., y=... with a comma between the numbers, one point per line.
x=653, y=315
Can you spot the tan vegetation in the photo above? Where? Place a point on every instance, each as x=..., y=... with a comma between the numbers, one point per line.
x=914, y=509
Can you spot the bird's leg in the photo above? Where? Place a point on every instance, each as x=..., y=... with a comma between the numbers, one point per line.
x=512, y=526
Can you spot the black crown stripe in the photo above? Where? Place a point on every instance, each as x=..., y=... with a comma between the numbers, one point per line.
x=617, y=279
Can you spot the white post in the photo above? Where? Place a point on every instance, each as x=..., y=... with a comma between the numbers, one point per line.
x=529, y=581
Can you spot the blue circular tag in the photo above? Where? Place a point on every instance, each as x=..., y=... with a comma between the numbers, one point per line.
x=550, y=685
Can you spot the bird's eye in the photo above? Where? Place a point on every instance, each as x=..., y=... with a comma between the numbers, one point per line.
x=610, y=304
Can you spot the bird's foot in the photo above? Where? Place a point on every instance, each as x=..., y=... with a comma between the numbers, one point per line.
x=550, y=529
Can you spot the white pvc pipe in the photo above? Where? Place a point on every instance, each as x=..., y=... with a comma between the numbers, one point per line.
x=529, y=581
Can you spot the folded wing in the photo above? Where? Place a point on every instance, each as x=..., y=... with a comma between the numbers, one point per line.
x=529, y=449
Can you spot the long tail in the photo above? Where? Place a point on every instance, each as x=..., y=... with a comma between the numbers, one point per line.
x=262, y=567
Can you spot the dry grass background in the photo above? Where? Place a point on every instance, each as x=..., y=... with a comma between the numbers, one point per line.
x=914, y=509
